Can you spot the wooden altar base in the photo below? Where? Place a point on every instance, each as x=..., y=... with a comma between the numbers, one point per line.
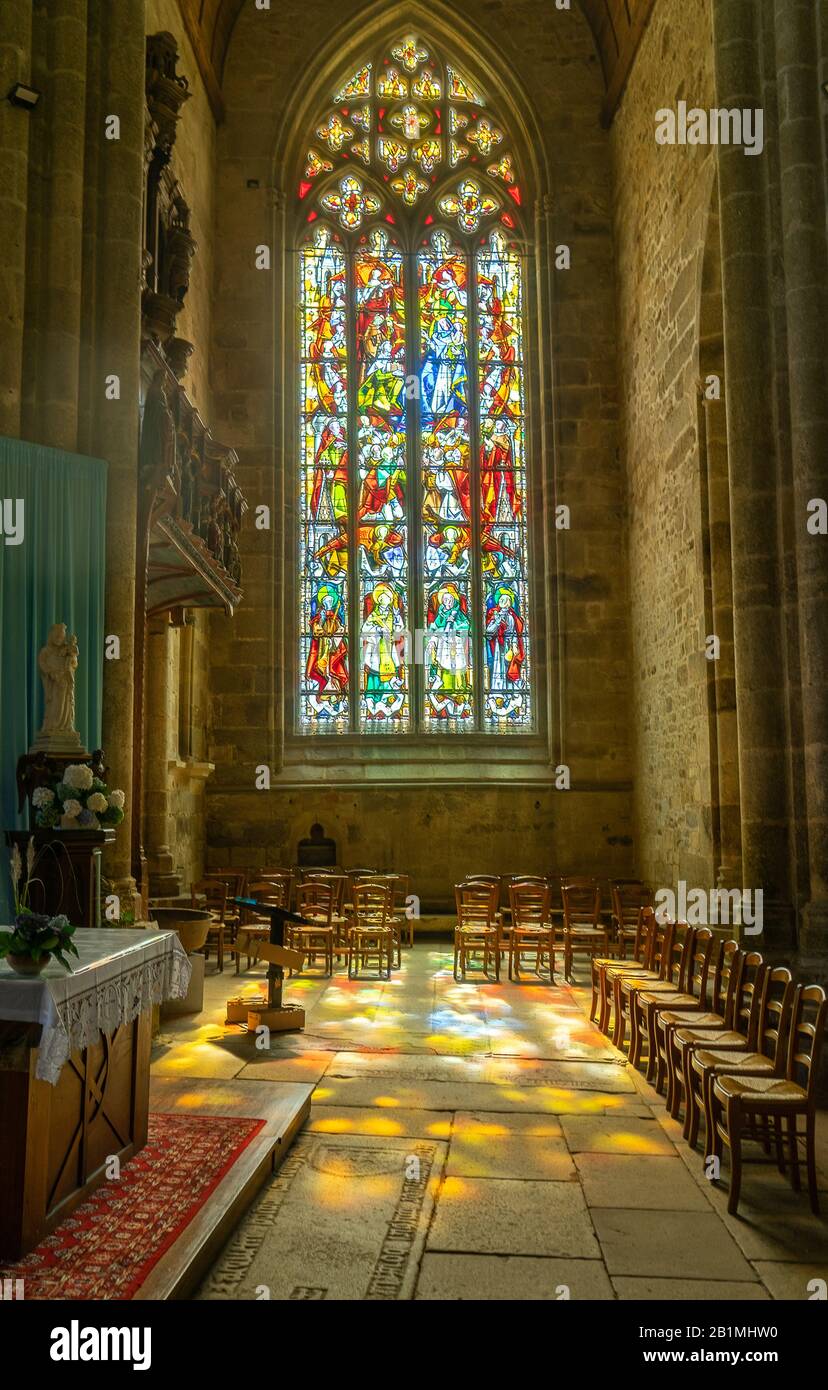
x=284, y=1106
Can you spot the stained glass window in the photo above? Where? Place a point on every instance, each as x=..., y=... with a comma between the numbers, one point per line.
x=414, y=575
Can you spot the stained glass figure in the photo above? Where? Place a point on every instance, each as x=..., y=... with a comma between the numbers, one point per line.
x=410, y=54
x=503, y=169
x=485, y=136
x=351, y=202
x=411, y=120
x=460, y=89
x=335, y=132
x=428, y=154
x=393, y=153
x=324, y=520
x=469, y=204
x=426, y=87
x=316, y=165
x=409, y=187
x=392, y=85
x=503, y=484
x=414, y=600
x=357, y=86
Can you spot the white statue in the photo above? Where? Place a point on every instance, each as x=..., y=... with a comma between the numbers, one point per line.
x=57, y=663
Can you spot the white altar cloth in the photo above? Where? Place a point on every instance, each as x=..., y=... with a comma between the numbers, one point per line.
x=118, y=974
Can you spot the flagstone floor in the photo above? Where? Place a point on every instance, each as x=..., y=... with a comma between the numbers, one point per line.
x=481, y=1141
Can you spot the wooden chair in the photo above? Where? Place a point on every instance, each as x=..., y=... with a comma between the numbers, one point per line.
x=673, y=981
x=717, y=1014
x=666, y=951
x=212, y=893
x=531, y=928
x=601, y=1003
x=236, y=882
x=691, y=994
x=583, y=929
x=371, y=933
x=401, y=891
x=738, y=1102
x=315, y=900
x=766, y=1055
x=628, y=896
x=740, y=1034
x=279, y=879
x=254, y=928
x=477, y=930
x=397, y=920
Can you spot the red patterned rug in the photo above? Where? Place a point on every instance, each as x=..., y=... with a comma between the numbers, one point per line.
x=111, y=1242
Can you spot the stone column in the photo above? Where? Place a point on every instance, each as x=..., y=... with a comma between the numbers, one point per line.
x=115, y=423
x=759, y=665
x=55, y=418
x=159, y=723
x=806, y=303
x=15, y=57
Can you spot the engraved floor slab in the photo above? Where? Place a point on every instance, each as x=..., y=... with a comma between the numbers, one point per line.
x=345, y=1218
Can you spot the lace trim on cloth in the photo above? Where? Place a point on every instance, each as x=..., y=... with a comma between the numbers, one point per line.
x=109, y=1005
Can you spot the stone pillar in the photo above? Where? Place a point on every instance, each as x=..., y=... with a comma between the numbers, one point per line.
x=159, y=725
x=115, y=423
x=55, y=418
x=806, y=304
x=759, y=665
x=15, y=57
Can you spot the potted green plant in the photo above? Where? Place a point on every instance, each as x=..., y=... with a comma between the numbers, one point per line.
x=36, y=936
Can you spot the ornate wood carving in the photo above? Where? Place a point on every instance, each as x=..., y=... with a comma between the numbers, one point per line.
x=169, y=246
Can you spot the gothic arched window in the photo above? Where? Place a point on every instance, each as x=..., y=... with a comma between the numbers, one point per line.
x=414, y=596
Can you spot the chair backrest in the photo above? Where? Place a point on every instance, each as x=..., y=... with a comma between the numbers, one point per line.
x=725, y=973
x=628, y=896
x=775, y=1015
x=214, y=892
x=530, y=903
x=361, y=873
x=661, y=945
x=698, y=964
x=372, y=903
x=285, y=876
x=316, y=899
x=265, y=890
x=581, y=901
x=336, y=881
x=676, y=961
x=805, y=1037
x=236, y=880
x=476, y=903
x=748, y=997
x=644, y=935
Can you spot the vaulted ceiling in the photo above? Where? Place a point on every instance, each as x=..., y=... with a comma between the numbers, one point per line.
x=617, y=27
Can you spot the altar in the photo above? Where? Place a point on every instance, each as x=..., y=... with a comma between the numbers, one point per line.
x=74, y=1073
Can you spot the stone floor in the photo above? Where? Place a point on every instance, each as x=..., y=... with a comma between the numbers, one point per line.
x=482, y=1141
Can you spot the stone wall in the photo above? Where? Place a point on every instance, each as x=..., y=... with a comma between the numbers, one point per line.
x=661, y=204
x=437, y=827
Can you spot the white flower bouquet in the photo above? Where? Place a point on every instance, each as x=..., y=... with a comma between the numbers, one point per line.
x=80, y=801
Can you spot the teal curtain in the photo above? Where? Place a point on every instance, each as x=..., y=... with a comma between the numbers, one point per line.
x=56, y=575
